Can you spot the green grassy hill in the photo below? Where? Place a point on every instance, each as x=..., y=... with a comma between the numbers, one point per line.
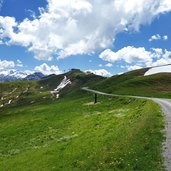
x=78, y=78
x=135, y=83
x=73, y=134
x=39, y=132
x=28, y=92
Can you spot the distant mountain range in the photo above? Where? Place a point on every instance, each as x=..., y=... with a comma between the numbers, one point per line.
x=13, y=75
x=34, y=76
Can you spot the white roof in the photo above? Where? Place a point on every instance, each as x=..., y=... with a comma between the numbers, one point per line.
x=156, y=70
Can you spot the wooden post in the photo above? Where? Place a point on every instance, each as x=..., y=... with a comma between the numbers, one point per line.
x=95, y=98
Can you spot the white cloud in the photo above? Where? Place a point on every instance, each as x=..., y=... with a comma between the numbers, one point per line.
x=133, y=67
x=138, y=57
x=5, y=64
x=48, y=70
x=109, y=65
x=128, y=54
x=19, y=63
x=155, y=37
x=122, y=66
x=6, y=68
x=44, y=69
x=163, y=59
x=74, y=27
x=158, y=37
x=100, y=65
x=101, y=72
x=158, y=52
x=165, y=37
x=120, y=73
x=109, y=55
x=164, y=6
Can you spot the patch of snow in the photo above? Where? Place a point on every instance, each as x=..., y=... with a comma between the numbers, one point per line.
x=15, y=73
x=62, y=85
x=9, y=102
x=14, y=90
x=156, y=70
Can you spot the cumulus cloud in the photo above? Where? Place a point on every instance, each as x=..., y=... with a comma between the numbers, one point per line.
x=138, y=56
x=158, y=37
x=109, y=65
x=5, y=64
x=165, y=37
x=101, y=72
x=6, y=68
x=133, y=67
x=19, y=63
x=163, y=57
x=155, y=37
x=129, y=54
x=66, y=27
x=48, y=70
x=164, y=6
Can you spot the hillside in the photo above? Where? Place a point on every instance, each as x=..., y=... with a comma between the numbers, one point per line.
x=73, y=134
x=28, y=92
x=135, y=83
x=130, y=83
x=41, y=132
x=78, y=80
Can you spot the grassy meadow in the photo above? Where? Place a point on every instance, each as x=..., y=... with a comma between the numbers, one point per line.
x=74, y=134
x=135, y=83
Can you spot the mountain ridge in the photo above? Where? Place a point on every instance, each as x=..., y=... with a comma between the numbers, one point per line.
x=13, y=75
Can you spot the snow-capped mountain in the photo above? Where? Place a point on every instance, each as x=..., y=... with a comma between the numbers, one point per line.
x=13, y=75
x=34, y=76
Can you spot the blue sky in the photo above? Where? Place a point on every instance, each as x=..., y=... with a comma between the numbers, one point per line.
x=85, y=35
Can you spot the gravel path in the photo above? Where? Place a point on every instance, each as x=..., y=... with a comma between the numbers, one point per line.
x=166, y=108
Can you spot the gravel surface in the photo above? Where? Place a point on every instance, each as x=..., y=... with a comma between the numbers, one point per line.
x=166, y=107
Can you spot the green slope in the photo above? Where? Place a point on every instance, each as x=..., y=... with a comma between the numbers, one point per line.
x=36, y=94
x=78, y=78
x=71, y=134
x=39, y=132
x=135, y=83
